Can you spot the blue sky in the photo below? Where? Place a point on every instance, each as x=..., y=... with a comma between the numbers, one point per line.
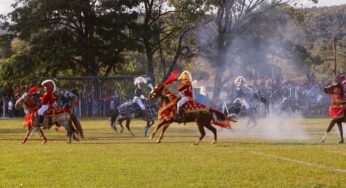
x=5, y=5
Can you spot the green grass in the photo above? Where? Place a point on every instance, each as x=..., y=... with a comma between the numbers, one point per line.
x=109, y=159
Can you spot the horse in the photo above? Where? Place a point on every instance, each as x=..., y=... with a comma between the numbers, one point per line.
x=237, y=108
x=337, y=110
x=30, y=106
x=130, y=110
x=203, y=117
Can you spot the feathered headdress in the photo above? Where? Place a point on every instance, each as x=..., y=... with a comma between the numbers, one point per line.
x=140, y=80
x=238, y=79
x=185, y=75
x=171, y=78
x=49, y=84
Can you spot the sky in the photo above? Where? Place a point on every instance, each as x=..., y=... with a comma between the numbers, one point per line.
x=5, y=5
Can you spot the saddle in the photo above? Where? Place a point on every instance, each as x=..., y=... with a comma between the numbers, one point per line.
x=170, y=111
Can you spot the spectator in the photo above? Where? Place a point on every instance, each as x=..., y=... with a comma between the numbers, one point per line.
x=10, y=108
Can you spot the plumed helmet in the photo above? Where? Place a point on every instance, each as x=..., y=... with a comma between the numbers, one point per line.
x=185, y=75
x=239, y=79
x=339, y=78
x=140, y=80
x=49, y=84
x=33, y=89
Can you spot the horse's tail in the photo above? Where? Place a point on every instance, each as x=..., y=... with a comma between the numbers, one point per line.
x=219, y=119
x=77, y=125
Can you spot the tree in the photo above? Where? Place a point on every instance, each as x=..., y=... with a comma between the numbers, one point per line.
x=162, y=30
x=83, y=35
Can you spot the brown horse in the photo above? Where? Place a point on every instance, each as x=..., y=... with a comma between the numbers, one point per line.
x=65, y=119
x=203, y=118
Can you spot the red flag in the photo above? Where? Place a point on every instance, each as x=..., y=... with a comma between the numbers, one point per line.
x=34, y=89
x=172, y=77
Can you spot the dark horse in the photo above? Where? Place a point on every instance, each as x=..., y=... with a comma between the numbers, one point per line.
x=237, y=108
x=336, y=110
x=203, y=118
x=130, y=110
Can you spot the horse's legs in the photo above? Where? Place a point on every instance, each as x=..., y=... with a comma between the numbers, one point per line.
x=341, y=132
x=128, y=121
x=212, y=129
x=163, y=132
x=65, y=120
x=331, y=125
x=40, y=133
x=28, y=132
x=149, y=124
x=158, y=126
x=202, y=131
x=120, y=121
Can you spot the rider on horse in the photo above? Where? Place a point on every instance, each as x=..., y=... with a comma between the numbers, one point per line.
x=138, y=95
x=241, y=90
x=47, y=99
x=185, y=91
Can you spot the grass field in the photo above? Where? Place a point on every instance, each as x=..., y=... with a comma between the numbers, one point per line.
x=109, y=159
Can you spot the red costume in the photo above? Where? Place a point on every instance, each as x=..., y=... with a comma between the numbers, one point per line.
x=338, y=101
x=48, y=98
x=186, y=88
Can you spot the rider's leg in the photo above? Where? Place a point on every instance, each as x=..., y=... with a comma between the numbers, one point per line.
x=246, y=104
x=140, y=103
x=41, y=112
x=180, y=103
x=180, y=113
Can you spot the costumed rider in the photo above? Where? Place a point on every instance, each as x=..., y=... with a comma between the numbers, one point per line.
x=138, y=97
x=185, y=91
x=241, y=88
x=47, y=99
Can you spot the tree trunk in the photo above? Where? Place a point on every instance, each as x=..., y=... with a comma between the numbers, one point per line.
x=150, y=61
x=218, y=80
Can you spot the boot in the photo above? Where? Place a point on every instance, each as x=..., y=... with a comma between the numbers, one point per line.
x=180, y=116
x=40, y=119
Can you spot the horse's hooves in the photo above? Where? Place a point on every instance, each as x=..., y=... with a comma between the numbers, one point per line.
x=213, y=142
x=151, y=137
x=132, y=134
x=323, y=141
x=22, y=142
x=158, y=141
x=196, y=143
x=341, y=142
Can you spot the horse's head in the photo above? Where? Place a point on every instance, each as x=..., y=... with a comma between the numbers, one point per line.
x=157, y=91
x=20, y=102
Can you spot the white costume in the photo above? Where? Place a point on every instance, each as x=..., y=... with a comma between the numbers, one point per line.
x=241, y=86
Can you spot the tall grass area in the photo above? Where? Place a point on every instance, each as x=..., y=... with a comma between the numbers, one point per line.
x=109, y=159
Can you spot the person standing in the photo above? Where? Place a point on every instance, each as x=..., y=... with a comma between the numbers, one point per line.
x=10, y=108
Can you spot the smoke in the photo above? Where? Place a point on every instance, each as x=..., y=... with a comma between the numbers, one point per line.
x=273, y=127
x=257, y=50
